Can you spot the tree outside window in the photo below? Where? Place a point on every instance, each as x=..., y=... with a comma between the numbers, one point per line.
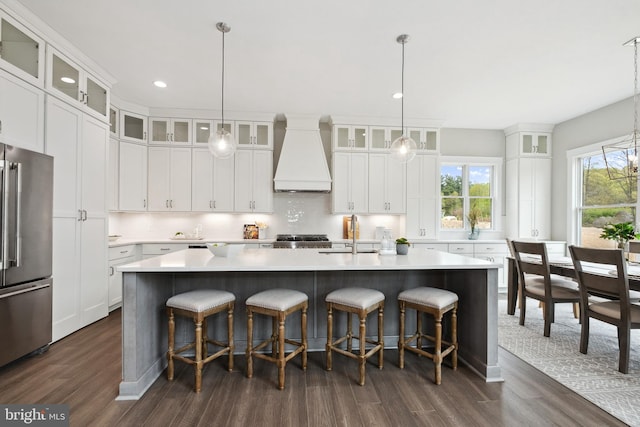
x=462, y=188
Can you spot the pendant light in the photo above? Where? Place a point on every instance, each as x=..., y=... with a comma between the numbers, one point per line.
x=221, y=143
x=621, y=157
x=403, y=149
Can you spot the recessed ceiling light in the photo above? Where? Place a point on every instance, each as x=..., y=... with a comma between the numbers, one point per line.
x=397, y=95
x=160, y=83
x=67, y=80
x=204, y=127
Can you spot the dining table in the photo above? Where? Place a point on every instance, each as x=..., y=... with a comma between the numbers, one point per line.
x=562, y=266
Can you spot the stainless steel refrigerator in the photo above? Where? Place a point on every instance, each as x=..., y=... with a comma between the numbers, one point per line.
x=26, y=208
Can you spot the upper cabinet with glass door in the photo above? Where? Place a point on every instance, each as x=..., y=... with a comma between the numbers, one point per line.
x=381, y=138
x=350, y=138
x=535, y=144
x=202, y=130
x=427, y=140
x=170, y=131
x=73, y=82
x=133, y=127
x=257, y=135
x=528, y=140
x=21, y=51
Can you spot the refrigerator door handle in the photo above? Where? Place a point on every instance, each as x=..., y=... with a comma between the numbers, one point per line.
x=4, y=245
x=18, y=168
x=24, y=291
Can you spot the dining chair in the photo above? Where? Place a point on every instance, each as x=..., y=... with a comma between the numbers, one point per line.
x=537, y=282
x=605, y=277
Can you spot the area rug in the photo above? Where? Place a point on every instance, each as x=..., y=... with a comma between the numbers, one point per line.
x=595, y=375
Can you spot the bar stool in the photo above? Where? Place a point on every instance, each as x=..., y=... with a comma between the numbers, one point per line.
x=360, y=301
x=198, y=305
x=277, y=303
x=435, y=302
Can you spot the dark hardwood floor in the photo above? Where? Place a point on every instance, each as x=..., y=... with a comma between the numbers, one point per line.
x=84, y=370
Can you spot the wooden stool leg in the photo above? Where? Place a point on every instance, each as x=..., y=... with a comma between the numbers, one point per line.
x=171, y=336
x=303, y=321
x=363, y=336
x=205, y=335
x=381, y=336
x=230, y=335
x=329, y=334
x=198, y=364
x=281, y=361
x=274, y=337
x=401, y=336
x=454, y=336
x=419, y=316
x=437, y=354
x=349, y=333
x=249, y=343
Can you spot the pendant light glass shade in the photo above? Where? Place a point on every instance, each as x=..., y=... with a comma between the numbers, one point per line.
x=403, y=149
x=221, y=143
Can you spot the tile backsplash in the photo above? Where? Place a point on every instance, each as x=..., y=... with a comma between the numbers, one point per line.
x=294, y=213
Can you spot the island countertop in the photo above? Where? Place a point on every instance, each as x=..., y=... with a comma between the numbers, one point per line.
x=201, y=260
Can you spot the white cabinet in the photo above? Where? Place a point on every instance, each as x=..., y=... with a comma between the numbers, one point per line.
x=133, y=127
x=202, y=130
x=381, y=138
x=149, y=250
x=169, y=179
x=386, y=184
x=528, y=198
x=423, y=179
x=253, y=181
x=112, y=175
x=350, y=183
x=21, y=51
x=118, y=255
x=427, y=140
x=350, y=137
x=254, y=135
x=494, y=252
x=170, y=131
x=78, y=144
x=535, y=144
x=66, y=78
x=21, y=113
x=132, y=177
x=114, y=121
x=212, y=182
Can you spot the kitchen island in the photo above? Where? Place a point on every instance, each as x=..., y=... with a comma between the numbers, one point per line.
x=149, y=283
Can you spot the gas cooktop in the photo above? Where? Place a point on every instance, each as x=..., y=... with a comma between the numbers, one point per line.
x=294, y=241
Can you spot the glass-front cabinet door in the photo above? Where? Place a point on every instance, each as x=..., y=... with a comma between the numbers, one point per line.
x=381, y=138
x=254, y=134
x=202, y=129
x=68, y=78
x=170, y=131
x=21, y=51
x=133, y=127
x=349, y=137
x=426, y=140
x=535, y=144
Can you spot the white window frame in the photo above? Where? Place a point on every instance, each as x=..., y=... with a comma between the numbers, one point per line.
x=574, y=186
x=497, y=184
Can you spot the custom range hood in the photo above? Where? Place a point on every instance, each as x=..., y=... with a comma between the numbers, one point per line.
x=302, y=165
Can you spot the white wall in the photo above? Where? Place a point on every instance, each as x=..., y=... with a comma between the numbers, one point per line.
x=609, y=122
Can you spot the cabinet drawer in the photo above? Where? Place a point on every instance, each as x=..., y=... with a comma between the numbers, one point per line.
x=461, y=248
x=118, y=252
x=431, y=246
x=162, y=248
x=490, y=248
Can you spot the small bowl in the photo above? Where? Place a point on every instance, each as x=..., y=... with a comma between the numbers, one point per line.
x=224, y=249
x=114, y=237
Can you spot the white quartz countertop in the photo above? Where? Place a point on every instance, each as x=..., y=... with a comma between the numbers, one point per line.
x=133, y=241
x=196, y=260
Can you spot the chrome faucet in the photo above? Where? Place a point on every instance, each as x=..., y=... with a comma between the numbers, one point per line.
x=354, y=247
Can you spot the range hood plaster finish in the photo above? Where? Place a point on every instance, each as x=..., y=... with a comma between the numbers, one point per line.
x=302, y=162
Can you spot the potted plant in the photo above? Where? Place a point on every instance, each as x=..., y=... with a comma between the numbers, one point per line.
x=402, y=246
x=621, y=233
x=473, y=217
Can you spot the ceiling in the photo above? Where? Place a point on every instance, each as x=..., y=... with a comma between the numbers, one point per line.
x=469, y=63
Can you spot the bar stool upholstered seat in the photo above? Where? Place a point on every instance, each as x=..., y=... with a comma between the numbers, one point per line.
x=359, y=301
x=198, y=305
x=435, y=302
x=277, y=303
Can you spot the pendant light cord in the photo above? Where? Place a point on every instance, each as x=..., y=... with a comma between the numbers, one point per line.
x=402, y=90
x=635, y=97
x=222, y=108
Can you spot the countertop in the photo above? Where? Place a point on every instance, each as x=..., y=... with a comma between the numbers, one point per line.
x=198, y=260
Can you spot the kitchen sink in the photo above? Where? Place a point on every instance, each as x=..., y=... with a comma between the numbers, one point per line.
x=347, y=251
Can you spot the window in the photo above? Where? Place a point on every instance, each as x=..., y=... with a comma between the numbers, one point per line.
x=602, y=200
x=464, y=187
